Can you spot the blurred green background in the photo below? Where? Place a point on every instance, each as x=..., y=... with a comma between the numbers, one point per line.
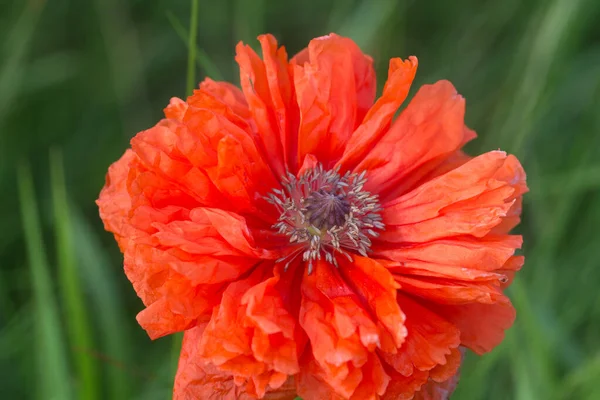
x=79, y=78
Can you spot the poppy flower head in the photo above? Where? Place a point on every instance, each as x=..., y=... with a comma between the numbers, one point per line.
x=309, y=243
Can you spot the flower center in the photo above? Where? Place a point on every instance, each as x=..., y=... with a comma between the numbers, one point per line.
x=326, y=214
x=326, y=210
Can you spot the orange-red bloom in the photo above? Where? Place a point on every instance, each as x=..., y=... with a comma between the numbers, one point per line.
x=309, y=244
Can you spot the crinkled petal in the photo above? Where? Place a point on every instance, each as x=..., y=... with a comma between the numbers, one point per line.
x=257, y=89
x=443, y=380
x=159, y=151
x=481, y=326
x=441, y=373
x=132, y=201
x=114, y=201
x=226, y=93
x=213, y=246
x=376, y=287
x=487, y=254
x=437, y=391
x=310, y=384
x=403, y=387
x=430, y=128
x=377, y=121
x=431, y=339
x=173, y=303
x=341, y=332
x=283, y=97
x=469, y=200
x=510, y=268
x=197, y=380
x=252, y=335
x=449, y=291
x=335, y=87
x=374, y=381
x=230, y=158
x=178, y=248
x=176, y=109
x=180, y=308
x=175, y=254
x=462, y=258
x=371, y=379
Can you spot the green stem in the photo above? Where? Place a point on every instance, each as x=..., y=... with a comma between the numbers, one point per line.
x=191, y=67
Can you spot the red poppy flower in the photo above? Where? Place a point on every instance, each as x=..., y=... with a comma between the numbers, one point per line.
x=308, y=242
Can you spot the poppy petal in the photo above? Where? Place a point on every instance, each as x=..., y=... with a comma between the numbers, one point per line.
x=255, y=82
x=430, y=128
x=376, y=122
x=371, y=381
x=375, y=285
x=441, y=373
x=434, y=390
x=164, y=242
x=431, y=170
x=486, y=254
x=341, y=332
x=131, y=221
x=114, y=201
x=228, y=155
x=310, y=384
x=226, y=93
x=283, y=98
x=196, y=379
x=429, y=342
x=510, y=268
x=404, y=387
x=471, y=199
x=335, y=86
x=481, y=326
x=439, y=386
x=251, y=335
x=447, y=291
x=179, y=308
x=176, y=109
x=158, y=151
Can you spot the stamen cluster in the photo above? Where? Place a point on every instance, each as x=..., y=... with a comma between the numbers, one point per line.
x=326, y=214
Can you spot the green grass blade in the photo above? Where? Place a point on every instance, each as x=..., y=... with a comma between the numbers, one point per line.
x=52, y=357
x=76, y=315
x=202, y=58
x=535, y=373
x=107, y=305
x=542, y=51
x=191, y=67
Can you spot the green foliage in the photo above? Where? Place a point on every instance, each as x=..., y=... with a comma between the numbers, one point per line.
x=76, y=318
x=84, y=77
x=49, y=347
